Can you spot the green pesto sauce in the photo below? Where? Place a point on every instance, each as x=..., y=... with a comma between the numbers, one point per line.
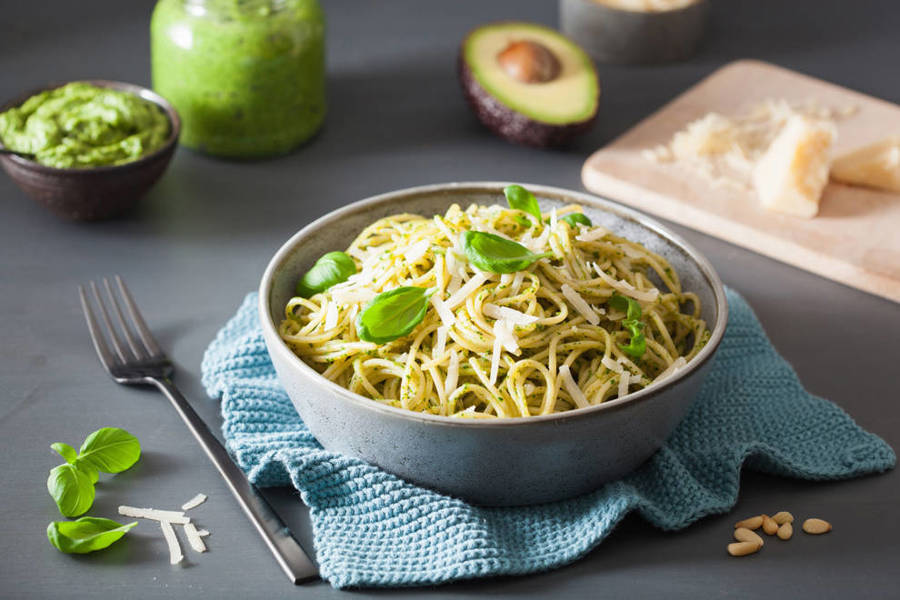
x=81, y=125
x=246, y=76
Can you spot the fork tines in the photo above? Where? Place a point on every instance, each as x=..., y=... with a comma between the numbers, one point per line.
x=139, y=343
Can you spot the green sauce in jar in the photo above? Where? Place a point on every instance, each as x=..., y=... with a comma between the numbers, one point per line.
x=81, y=125
x=246, y=76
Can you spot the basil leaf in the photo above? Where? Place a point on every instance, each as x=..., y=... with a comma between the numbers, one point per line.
x=574, y=218
x=493, y=253
x=638, y=344
x=331, y=269
x=632, y=309
x=521, y=199
x=393, y=314
x=72, y=490
x=88, y=469
x=87, y=534
x=627, y=305
x=66, y=451
x=110, y=450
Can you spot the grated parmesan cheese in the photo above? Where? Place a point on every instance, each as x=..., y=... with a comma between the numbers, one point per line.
x=202, y=532
x=725, y=150
x=452, y=373
x=440, y=343
x=194, y=502
x=611, y=364
x=170, y=516
x=592, y=235
x=503, y=330
x=624, y=380
x=462, y=293
x=503, y=312
x=495, y=355
x=676, y=366
x=414, y=252
x=572, y=388
x=194, y=538
x=447, y=317
x=625, y=288
x=331, y=317
x=580, y=304
x=348, y=296
x=175, y=554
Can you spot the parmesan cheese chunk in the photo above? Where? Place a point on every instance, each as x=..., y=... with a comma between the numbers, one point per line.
x=876, y=165
x=580, y=304
x=194, y=538
x=194, y=502
x=171, y=516
x=565, y=375
x=175, y=554
x=793, y=172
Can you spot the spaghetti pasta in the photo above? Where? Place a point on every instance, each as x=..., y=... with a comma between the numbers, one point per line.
x=541, y=340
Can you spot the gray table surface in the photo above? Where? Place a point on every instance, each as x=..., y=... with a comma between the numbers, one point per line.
x=202, y=237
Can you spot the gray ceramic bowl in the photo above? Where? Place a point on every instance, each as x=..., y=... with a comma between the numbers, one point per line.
x=493, y=462
x=618, y=36
x=91, y=194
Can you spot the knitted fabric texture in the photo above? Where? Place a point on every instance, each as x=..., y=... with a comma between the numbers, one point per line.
x=374, y=529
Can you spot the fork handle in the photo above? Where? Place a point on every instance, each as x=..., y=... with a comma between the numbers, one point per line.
x=290, y=555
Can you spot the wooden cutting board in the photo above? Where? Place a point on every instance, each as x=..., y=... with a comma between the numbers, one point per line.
x=855, y=239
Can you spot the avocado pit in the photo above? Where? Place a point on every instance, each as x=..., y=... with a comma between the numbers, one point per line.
x=529, y=62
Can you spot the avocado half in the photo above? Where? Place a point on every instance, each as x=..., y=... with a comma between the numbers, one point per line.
x=528, y=83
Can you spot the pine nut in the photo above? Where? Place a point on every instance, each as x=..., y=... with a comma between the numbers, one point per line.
x=785, y=531
x=742, y=534
x=742, y=548
x=816, y=526
x=783, y=517
x=751, y=523
x=769, y=525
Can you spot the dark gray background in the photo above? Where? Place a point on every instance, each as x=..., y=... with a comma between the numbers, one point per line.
x=202, y=237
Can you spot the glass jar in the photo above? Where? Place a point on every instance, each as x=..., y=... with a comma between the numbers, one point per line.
x=246, y=76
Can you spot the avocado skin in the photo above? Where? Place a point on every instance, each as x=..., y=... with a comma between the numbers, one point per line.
x=512, y=125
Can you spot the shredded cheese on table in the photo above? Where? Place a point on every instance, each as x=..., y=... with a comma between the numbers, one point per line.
x=175, y=554
x=194, y=502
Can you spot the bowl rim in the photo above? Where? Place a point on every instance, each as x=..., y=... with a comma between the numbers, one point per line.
x=133, y=88
x=556, y=193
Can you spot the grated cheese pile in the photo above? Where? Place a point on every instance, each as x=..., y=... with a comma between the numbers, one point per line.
x=726, y=150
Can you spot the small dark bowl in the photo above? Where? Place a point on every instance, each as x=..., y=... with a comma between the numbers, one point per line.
x=94, y=193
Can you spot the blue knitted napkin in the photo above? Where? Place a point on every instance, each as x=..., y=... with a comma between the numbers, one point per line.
x=373, y=529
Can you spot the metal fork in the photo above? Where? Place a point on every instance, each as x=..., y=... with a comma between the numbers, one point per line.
x=140, y=361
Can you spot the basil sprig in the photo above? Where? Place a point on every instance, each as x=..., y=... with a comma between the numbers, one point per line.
x=392, y=314
x=574, y=218
x=87, y=534
x=521, y=199
x=71, y=485
x=638, y=343
x=331, y=269
x=493, y=253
